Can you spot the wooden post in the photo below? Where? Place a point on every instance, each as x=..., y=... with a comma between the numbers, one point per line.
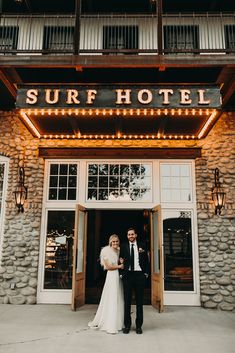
x=159, y=30
x=77, y=26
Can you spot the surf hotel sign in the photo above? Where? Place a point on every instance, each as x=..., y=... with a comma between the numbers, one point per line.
x=39, y=104
x=114, y=97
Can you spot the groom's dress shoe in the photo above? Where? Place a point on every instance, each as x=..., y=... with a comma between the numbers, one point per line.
x=126, y=330
x=138, y=330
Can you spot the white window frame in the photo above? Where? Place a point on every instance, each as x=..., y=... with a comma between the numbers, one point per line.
x=186, y=297
x=47, y=182
x=181, y=297
x=150, y=164
x=64, y=296
x=56, y=296
x=191, y=185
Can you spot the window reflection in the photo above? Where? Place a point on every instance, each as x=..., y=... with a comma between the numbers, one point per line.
x=177, y=235
x=58, y=256
x=119, y=182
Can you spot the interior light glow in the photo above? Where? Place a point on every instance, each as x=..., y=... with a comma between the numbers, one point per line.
x=30, y=124
x=207, y=124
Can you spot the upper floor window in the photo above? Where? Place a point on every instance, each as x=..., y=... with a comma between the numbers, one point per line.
x=63, y=181
x=119, y=182
x=181, y=38
x=176, y=182
x=230, y=36
x=8, y=38
x=57, y=38
x=120, y=37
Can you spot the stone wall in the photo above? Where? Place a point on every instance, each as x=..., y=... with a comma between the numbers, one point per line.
x=20, y=243
x=216, y=234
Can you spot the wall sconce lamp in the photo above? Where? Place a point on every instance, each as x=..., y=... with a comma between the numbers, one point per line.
x=218, y=194
x=21, y=191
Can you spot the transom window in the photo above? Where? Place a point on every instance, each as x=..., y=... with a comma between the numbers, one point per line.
x=63, y=181
x=175, y=183
x=122, y=182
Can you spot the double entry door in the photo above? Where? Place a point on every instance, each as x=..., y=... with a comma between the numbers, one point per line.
x=79, y=258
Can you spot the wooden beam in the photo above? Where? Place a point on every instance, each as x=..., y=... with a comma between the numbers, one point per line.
x=228, y=91
x=226, y=79
x=116, y=61
x=13, y=75
x=225, y=74
x=120, y=153
x=9, y=85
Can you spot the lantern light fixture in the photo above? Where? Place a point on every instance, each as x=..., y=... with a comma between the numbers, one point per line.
x=218, y=194
x=21, y=190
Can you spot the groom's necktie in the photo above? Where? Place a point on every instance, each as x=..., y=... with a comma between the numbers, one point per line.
x=132, y=258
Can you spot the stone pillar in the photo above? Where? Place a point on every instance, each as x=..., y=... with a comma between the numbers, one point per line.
x=20, y=243
x=216, y=234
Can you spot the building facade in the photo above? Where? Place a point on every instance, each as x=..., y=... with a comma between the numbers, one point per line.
x=111, y=117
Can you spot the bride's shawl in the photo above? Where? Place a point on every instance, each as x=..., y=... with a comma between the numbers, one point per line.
x=107, y=253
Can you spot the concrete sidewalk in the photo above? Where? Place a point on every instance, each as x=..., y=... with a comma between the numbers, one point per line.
x=56, y=329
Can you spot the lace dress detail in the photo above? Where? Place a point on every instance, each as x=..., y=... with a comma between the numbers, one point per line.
x=110, y=313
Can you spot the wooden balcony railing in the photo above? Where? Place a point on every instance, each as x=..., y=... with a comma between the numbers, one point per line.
x=117, y=34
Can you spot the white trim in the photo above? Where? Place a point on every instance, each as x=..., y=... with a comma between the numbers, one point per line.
x=149, y=163
x=180, y=297
x=5, y=161
x=170, y=298
x=47, y=181
x=45, y=295
x=55, y=297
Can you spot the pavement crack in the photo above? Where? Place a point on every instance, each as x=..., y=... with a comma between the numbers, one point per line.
x=44, y=338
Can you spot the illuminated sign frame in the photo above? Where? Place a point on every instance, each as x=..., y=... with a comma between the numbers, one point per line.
x=113, y=97
x=76, y=101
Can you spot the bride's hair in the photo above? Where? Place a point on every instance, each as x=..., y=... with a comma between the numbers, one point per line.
x=112, y=237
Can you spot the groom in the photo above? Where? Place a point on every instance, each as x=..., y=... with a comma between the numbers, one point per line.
x=134, y=274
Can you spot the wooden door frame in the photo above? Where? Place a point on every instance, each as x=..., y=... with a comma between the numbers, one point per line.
x=157, y=300
x=80, y=276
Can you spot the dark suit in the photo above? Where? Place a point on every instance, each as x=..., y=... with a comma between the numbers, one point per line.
x=134, y=281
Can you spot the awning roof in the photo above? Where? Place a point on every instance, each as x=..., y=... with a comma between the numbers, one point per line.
x=119, y=123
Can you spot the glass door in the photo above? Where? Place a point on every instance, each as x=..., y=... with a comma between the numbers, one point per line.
x=180, y=265
x=58, y=250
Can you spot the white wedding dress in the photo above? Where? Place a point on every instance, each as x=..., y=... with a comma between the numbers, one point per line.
x=110, y=313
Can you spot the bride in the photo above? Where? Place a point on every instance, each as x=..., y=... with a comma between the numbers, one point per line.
x=110, y=312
